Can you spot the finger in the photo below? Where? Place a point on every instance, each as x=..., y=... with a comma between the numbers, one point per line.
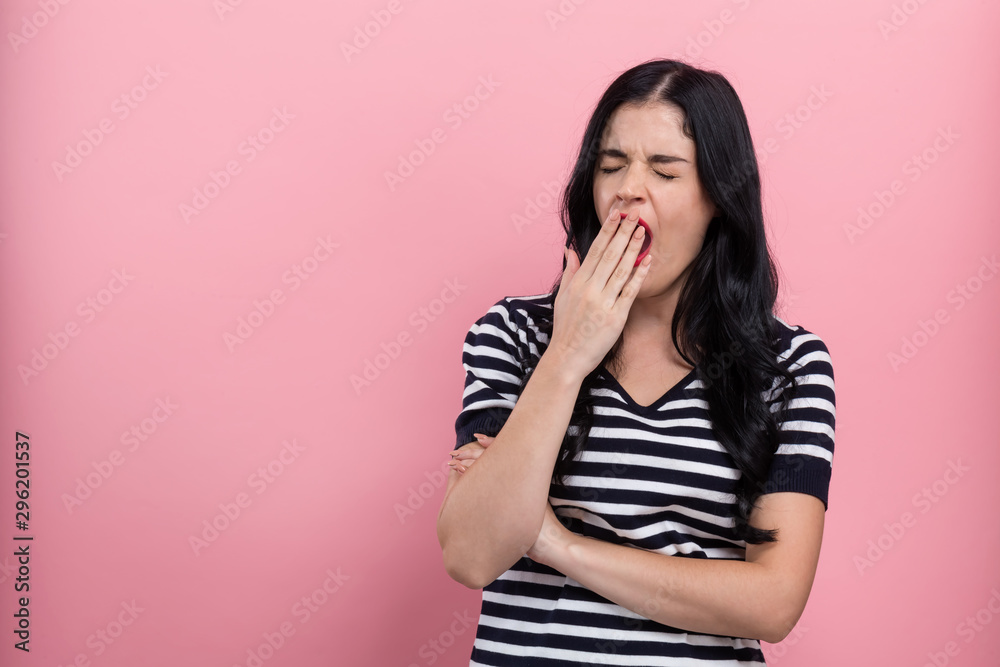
x=608, y=229
x=631, y=289
x=613, y=269
x=572, y=266
x=626, y=268
x=484, y=440
x=468, y=447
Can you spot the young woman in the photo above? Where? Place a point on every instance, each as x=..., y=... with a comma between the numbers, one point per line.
x=652, y=446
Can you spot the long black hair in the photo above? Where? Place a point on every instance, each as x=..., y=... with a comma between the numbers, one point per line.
x=724, y=312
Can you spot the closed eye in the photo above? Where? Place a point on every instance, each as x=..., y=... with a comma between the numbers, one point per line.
x=664, y=176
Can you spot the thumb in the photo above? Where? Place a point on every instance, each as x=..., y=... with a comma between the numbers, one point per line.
x=572, y=264
x=484, y=441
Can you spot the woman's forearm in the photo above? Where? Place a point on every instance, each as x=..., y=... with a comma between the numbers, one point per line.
x=492, y=515
x=714, y=596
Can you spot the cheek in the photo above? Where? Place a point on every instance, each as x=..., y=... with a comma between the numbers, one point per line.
x=603, y=198
x=686, y=209
x=681, y=230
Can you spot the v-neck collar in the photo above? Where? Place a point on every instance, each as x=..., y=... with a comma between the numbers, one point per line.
x=674, y=392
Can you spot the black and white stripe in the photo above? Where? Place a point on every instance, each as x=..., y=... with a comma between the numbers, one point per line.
x=652, y=477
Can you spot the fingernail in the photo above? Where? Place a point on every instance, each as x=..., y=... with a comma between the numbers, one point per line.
x=479, y=436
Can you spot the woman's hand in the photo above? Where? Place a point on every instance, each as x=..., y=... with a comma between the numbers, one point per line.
x=552, y=536
x=594, y=298
x=463, y=457
x=552, y=540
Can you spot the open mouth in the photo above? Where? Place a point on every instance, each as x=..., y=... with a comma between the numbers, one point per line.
x=647, y=240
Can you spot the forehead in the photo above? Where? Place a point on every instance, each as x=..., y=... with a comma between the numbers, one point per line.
x=650, y=128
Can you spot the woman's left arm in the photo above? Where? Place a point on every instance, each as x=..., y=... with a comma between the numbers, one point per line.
x=760, y=598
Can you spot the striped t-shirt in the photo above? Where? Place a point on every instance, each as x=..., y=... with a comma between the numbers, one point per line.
x=651, y=477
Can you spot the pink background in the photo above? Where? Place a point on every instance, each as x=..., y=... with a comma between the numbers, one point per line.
x=839, y=105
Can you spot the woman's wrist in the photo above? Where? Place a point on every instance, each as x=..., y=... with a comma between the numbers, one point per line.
x=555, y=364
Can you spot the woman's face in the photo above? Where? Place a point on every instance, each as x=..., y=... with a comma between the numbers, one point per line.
x=647, y=163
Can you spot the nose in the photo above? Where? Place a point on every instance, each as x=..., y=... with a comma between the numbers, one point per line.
x=632, y=187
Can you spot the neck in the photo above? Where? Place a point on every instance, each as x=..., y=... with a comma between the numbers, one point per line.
x=647, y=330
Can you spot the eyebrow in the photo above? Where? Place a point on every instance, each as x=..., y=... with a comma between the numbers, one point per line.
x=655, y=159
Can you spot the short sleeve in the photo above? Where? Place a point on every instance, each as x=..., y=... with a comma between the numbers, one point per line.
x=492, y=374
x=803, y=461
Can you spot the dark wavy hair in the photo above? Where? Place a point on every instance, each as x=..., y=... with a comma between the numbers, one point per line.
x=724, y=313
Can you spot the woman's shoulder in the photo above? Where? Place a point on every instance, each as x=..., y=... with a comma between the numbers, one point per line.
x=519, y=323
x=523, y=312
x=532, y=307
x=798, y=345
